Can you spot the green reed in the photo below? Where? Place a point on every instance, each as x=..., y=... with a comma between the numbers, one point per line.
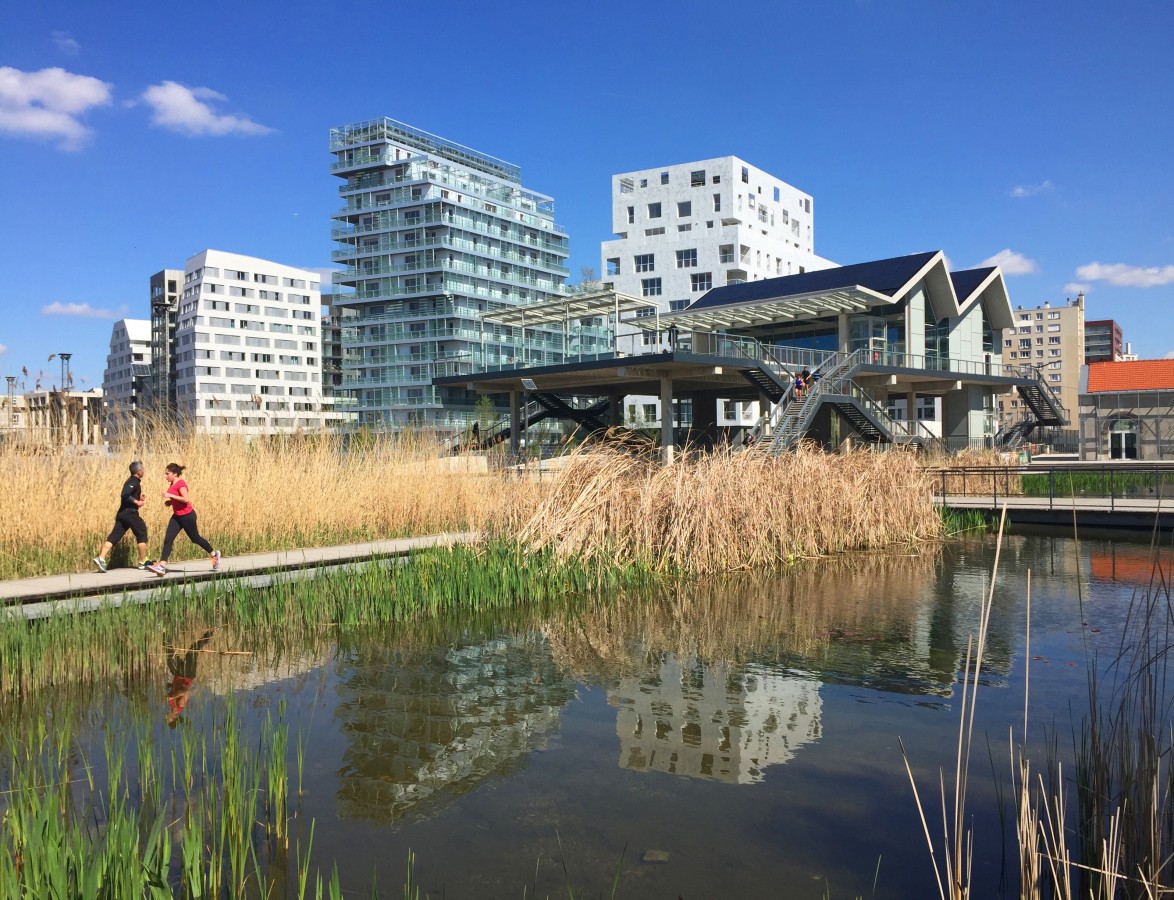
x=114, y=643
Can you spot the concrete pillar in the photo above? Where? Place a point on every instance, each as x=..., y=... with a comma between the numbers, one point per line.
x=515, y=423
x=842, y=332
x=667, y=444
x=704, y=429
x=911, y=410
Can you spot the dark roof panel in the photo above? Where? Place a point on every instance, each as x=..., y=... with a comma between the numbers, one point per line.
x=967, y=281
x=885, y=276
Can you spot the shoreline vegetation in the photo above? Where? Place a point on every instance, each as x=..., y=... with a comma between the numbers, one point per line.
x=706, y=513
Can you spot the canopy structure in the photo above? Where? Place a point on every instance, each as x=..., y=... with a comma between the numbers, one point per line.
x=823, y=293
x=572, y=307
x=779, y=309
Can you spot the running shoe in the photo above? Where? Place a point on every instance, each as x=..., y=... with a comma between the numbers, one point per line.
x=215, y=560
x=158, y=569
x=100, y=563
x=146, y=564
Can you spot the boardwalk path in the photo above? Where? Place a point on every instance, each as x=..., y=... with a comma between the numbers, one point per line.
x=81, y=591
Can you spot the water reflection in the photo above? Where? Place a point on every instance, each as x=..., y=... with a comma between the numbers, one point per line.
x=721, y=722
x=424, y=727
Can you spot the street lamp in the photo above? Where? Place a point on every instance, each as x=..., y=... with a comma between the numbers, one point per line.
x=11, y=400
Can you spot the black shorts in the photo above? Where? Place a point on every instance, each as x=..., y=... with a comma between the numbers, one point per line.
x=128, y=520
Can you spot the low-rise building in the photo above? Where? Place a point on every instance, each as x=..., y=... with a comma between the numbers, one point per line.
x=1127, y=410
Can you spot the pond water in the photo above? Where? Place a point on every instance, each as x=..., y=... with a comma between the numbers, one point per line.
x=737, y=737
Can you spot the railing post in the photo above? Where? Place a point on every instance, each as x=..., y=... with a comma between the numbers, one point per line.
x=1051, y=488
x=1112, y=498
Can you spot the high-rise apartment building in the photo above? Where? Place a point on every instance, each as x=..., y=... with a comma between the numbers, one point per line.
x=1103, y=341
x=164, y=306
x=127, y=377
x=681, y=230
x=1049, y=339
x=248, y=346
x=432, y=235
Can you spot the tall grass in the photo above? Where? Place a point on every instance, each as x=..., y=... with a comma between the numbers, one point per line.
x=725, y=511
x=264, y=495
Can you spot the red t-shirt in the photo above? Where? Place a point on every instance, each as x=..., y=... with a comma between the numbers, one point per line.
x=179, y=506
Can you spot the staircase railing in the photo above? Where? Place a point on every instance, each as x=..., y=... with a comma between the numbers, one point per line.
x=818, y=362
x=795, y=417
x=1050, y=396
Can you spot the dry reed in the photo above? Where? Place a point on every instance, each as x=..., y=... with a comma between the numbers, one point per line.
x=263, y=495
x=726, y=511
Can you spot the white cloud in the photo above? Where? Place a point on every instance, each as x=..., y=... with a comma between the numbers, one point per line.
x=1169, y=354
x=82, y=310
x=1032, y=190
x=66, y=44
x=189, y=111
x=1122, y=275
x=3, y=349
x=1072, y=288
x=1012, y=263
x=48, y=103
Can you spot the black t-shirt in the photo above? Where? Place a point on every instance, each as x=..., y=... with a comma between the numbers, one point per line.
x=131, y=491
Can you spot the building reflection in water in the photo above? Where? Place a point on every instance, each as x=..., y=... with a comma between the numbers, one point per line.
x=728, y=724
x=424, y=727
x=714, y=679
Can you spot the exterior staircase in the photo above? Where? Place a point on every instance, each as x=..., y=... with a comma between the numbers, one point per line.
x=785, y=424
x=1042, y=401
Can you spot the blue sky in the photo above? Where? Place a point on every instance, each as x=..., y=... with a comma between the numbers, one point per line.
x=1038, y=134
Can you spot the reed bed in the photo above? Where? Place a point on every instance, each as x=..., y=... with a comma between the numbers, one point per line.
x=119, y=643
x=725, y=511
x=251, y=496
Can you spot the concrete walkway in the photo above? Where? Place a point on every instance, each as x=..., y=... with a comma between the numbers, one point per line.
x=87, y=590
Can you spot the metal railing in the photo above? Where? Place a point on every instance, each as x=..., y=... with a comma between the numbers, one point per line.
x=1056, y=487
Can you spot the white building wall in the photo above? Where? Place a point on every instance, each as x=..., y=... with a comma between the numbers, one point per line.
x=248, y=346
x=123, y=385
x=683, y=229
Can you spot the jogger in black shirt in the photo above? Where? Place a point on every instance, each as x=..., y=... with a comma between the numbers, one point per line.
x=128, y=519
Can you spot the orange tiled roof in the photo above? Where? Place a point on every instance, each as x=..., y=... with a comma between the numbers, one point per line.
x=1136, y=375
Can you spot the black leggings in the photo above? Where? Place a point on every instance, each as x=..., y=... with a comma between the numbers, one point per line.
x=187, y=524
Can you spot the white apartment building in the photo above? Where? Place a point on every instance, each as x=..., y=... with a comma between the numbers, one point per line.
x=681, y=230
x=248, y=346
x=126, y=379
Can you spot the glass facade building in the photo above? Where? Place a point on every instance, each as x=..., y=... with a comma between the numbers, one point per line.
x=431, y=236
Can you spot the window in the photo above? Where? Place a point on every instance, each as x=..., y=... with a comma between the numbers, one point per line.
x=626, y=185
x=762, y=213
x=631, y=214
x=1053, y=328
x=726, y=253
x=717, y=202
x=1025, y=343
x=1053, y=340
x=654, y=210
x=702, y=281
x=1039, y=315
x=776, y=195
x=646, y=262
x=684, y=209
x=664, y=177
x=675, y=305
x=613, y=266
x=653, y=232
x=645, y=312
x=650, y=287
x=697, y=178
x=643, y=182
x=745, y=175
x=687, y=259
x=1053, y=315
